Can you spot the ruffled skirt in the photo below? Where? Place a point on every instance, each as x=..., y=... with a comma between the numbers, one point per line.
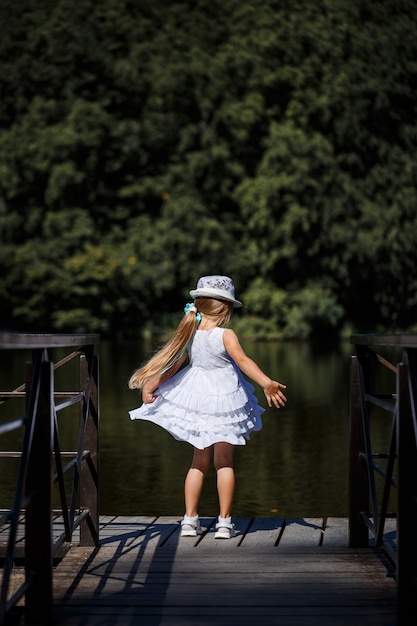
x=204, y=407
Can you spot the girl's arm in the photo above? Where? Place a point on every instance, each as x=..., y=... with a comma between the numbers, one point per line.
x=272, y=388
x=148, y=389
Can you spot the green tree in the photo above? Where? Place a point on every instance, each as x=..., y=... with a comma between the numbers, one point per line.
x=144, y=144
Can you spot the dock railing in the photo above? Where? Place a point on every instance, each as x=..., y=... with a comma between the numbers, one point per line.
x=380, y=480
x=43, y=476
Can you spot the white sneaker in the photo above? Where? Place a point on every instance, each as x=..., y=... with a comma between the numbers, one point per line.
x=190, y=529
x=225, y=530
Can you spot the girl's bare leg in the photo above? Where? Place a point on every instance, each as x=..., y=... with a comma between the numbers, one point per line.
x=195, y=479
x=223, y=463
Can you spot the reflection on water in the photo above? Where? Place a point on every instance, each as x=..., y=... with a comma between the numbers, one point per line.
x=297, y=465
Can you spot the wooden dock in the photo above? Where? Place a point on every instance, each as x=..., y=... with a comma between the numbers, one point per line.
x=275, y=572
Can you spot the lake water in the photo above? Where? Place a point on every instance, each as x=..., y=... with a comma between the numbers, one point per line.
x=297, y=465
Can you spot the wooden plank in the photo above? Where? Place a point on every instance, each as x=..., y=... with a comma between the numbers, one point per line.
x=245, y=577
x=20, y=532
x=228, y=618
x=111, y=559
x=248, y=593
x=69, y=570
x=336, y=533
x=124, y=529
x=318, y=566
x=264, y=532
x=112, y=591
x=231, y=616
x=157, y=534
x=301, y=533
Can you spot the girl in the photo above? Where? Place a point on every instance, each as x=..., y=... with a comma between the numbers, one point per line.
x=208, y=403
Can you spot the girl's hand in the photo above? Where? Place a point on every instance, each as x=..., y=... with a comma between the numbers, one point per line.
x=148, y=394
x=274, y=395
x=151, y=384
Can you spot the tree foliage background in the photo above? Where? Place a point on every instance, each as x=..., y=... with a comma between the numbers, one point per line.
x=144, y=143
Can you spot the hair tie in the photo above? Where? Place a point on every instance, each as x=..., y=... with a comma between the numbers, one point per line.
x=190, y=306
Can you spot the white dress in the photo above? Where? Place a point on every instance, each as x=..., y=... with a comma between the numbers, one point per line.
x=208, y=401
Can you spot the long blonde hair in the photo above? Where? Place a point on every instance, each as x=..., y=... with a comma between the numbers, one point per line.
x=175, y=347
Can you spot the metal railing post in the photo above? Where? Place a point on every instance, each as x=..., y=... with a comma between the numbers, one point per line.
x=407, y=504
x=38, y=548
x=358, y=477
x=89, y=528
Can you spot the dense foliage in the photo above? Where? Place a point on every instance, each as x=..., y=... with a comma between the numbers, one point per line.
x=146, y=142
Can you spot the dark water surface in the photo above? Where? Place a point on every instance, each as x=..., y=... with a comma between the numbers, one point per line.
x=297, y=465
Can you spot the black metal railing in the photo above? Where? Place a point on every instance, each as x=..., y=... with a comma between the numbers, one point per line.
x=42, y=470
x=386, y=479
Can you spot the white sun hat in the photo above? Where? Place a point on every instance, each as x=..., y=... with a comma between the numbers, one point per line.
x=219, y=287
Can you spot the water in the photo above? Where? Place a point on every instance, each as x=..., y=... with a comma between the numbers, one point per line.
x=297, y=465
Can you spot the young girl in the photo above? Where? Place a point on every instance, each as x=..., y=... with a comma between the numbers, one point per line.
x=207, y=403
